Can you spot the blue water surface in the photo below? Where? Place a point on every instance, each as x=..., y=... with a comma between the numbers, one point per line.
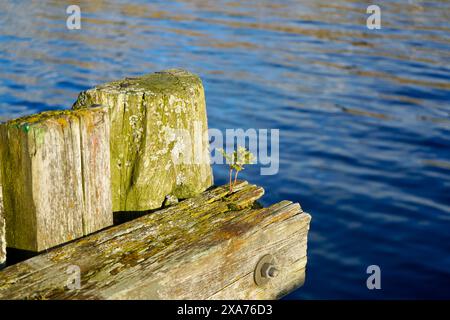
x=364, y=115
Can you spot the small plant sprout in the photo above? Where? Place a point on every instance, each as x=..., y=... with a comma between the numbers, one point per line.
x=236, y=162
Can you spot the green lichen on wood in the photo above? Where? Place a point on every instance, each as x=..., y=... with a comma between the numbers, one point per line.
x=198, y=243
x=54, y=166
x=2, y=225
x=144, y=113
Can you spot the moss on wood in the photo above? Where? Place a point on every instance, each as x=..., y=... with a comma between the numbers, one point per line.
x=55, y=176
x=145, y=113
x=196, y=249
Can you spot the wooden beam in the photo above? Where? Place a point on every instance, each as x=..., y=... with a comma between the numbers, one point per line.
x=2, y=226
x=205, y=247
x=56, y=177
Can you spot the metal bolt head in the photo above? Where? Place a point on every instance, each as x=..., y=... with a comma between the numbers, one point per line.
x=265, y=270
x=272, y=271
x=268, y=270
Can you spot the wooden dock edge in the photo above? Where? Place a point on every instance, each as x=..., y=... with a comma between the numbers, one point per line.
x=206, y=247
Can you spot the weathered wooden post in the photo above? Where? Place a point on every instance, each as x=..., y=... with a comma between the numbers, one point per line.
x=56, y=177
x=155, y=120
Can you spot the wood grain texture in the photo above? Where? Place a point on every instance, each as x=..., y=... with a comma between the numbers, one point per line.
x=159, y=140
x=205, y=247
x=56, y=177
